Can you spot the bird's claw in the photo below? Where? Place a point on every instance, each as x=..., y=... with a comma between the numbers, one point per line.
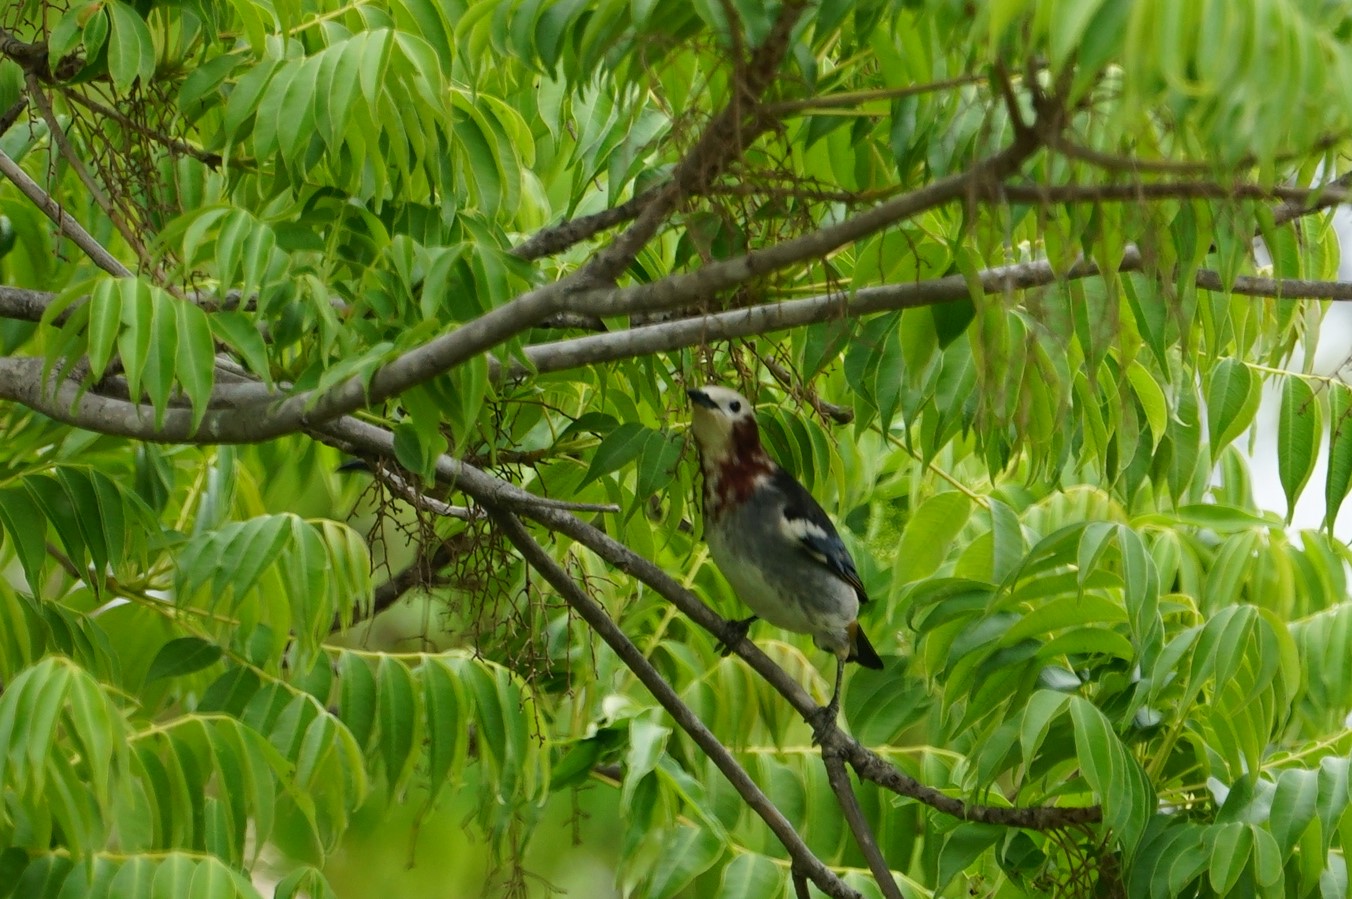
x=823, y=722
x=734, y=631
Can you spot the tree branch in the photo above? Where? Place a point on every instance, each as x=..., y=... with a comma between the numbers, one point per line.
x=1046, y=194
x=67, y=225
x=233, y=418
x=272, y=417
x=77, y=165
x=679, y=290
x=866, y=763
x=557, y=238
x=723, y=139
x=839, y=779
x=595, y=616
x=12, y=114
x=644, y=340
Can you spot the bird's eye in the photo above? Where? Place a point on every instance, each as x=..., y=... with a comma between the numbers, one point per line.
x=735, y=406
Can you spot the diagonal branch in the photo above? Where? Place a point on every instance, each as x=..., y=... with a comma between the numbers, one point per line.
x=839, y=779
x=678, y=290
x=69, y=227
x=866, y=763
x=591, y=612
x=557, y=238
x=723, y=140
x=77, y=165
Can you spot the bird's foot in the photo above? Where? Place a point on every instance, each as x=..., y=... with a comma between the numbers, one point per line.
x=823, y=721
x=733, y=632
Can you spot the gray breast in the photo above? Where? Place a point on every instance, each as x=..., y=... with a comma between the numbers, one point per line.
x=778, y=580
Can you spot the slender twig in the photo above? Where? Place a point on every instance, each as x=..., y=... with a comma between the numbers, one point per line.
x=405, y=490
x=841, y=415
x=212, y=160
x=421, y=572
x=867, y=764
x=67, y=225
x=590, y=611
x=66, y=564
x=1045, y=194
x=856, y=98
x=77, y=165
x=839, y=779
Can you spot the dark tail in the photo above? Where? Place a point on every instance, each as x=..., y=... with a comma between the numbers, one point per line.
x=861, y=650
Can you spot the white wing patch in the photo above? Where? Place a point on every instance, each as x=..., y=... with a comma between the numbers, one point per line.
x=806, y=534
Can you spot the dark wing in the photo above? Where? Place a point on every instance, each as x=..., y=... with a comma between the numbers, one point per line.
x=807, y=523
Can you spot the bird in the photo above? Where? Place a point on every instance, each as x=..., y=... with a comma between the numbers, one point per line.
x=773, y=541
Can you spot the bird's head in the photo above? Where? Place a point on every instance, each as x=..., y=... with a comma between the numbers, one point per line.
x=724, y=424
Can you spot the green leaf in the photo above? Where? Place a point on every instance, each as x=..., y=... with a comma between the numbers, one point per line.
x=400, y=721
x=25, y=524
x=1293, y=806
x=657, y=463
x=1297, y=444
x=1127, y=797
x=1230, y=848
x=620, y=447
x=1068, y=22
x=131, y=50
x=446, y=724
x=751, y=874
x=239, y=331
x=1232, y=400
x=159, y=370
x=962, y=846
x=181, y=656
x=688, y=853
x=1152, y=399
x=1340, y=452
x=929, y=534
x=105, y=320
x=195, y=364
x=138, y=330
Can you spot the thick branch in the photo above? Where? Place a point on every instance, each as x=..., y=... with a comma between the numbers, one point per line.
x=588, y=609
x=12, y=114
x=269, y=418
x=234, y=404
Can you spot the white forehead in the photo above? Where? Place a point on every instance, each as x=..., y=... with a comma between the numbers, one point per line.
x=730, y=402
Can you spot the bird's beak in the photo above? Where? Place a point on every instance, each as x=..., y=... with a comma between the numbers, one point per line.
x=700, y=398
